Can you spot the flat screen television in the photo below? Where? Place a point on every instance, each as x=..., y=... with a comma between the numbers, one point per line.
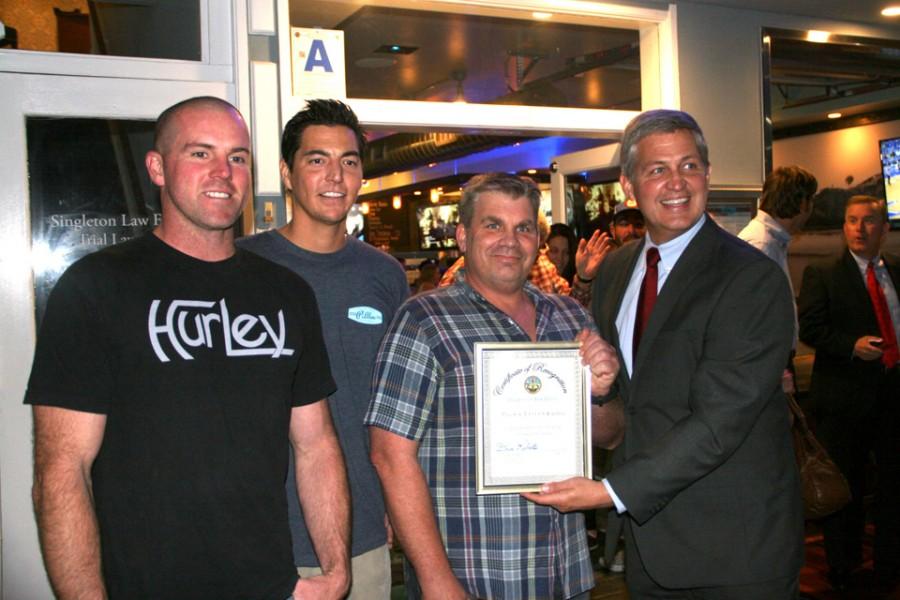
x=890, y=168
x=603, y=199
x=437, y=226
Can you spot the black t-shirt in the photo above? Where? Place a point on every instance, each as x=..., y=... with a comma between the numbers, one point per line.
x=196, y=366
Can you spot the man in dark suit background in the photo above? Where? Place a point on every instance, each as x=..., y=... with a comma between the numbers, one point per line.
x=855, y=384
x=706, y=477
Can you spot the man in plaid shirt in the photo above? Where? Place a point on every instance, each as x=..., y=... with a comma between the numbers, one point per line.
x=421, y=417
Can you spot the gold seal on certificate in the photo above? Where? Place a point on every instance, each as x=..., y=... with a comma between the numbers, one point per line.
x=532, y=415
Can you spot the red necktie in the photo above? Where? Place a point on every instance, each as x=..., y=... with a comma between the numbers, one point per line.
x=890, y=355
x=647, y=298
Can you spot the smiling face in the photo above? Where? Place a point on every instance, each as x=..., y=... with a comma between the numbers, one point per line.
x=203, y=169
x=670, y=184
x=500, y=245
x=325, y=177
x=864, y=228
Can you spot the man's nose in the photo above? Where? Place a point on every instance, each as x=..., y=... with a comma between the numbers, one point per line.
x=221, y=168
x=676, y=180
x=334, y=171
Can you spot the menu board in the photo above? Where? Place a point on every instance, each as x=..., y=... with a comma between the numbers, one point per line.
x=387, y=227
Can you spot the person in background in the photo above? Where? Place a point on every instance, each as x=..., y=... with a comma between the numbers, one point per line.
x=358, y=289
x=172, y=374
x=849, y=312
x=627, y=223
x=561, y=249
x=422, y=415
x=428, y=278
x=706, y=477
x=784, y=208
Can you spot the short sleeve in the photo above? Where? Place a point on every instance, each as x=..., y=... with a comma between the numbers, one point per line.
x=73, y=360
x=405, y=379
x=312, y=380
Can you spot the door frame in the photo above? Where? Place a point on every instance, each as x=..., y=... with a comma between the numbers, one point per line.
x=59, y=96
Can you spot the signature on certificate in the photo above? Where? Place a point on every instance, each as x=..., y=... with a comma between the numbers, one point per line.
x=517, y=447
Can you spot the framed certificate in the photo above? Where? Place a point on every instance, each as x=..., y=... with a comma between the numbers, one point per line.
x=532, y=415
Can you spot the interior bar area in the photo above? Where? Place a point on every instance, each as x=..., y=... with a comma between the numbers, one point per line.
x=254, y=244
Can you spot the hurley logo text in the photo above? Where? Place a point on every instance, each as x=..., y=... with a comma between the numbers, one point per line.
x=196, y=323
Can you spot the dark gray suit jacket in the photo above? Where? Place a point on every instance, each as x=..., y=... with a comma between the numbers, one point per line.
x=835, y=310
x=707, y=469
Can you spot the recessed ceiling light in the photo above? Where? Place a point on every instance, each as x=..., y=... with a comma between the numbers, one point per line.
x=891, y=11
x=817, y=36
x=395, y=49
x=541, y=16
x=532, y=171
x=834, y=115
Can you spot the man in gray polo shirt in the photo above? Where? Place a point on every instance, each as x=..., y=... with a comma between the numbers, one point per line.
x=358, y=288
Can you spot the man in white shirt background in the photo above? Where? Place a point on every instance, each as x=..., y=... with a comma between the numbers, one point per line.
x=785, y=206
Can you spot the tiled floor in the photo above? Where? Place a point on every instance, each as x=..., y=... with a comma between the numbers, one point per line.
x=813, y=578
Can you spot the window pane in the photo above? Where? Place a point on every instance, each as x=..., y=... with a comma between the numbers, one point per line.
x=430, y=56
x=144, y=28
x=88, y=190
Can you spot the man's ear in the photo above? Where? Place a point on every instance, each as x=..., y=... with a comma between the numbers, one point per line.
x=285, y=175
x=461, y=237
x=154, y=163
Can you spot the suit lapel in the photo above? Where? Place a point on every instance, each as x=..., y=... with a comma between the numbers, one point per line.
x=690, y=265
x=856, y=284
x=619, y=284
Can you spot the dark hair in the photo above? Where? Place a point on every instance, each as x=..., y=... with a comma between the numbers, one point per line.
x=319, y=112
x=785, y=190
x=511, y=185
x=564, y=231
x=881, y=204
x=658, y=121
x=164, y=121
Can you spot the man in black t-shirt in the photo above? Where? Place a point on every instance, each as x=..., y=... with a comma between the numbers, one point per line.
x=170, y=374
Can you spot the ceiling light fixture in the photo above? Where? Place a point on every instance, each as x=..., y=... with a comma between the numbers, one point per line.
x=817, y=36
x=541, y=16
x=834, y=115
x=395, y=49
x=891, y=11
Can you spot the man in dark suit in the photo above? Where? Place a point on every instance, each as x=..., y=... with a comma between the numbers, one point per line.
x=849, y=312
x=706, y=478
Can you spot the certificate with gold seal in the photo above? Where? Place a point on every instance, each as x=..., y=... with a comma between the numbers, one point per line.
x=532, y=415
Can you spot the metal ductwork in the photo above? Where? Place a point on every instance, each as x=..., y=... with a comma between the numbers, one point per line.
x=405, y=151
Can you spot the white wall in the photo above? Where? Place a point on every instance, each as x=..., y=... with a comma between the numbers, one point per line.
x=834, y=155
x=720, y=69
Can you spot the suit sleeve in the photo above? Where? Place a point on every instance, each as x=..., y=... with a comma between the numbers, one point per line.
x=742, y=348
x=814, y=314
